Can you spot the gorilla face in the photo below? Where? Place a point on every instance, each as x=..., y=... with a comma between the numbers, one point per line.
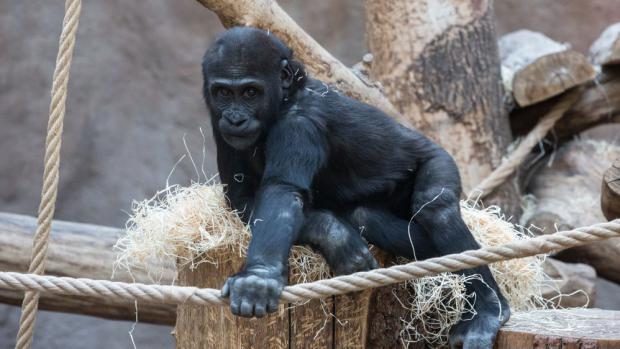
x=241, y=108
x=247, y=73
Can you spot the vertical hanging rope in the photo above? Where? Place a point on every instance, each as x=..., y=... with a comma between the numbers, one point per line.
x=51, y=163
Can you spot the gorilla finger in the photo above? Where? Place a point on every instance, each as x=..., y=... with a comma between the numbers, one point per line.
x=272, y=305
x=373, y=262
x=260, y=309
x=225, y=292
x=234, y=307
x=246, y=309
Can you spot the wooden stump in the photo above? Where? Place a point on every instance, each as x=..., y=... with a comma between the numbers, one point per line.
x=561, y=329
x=335, y=322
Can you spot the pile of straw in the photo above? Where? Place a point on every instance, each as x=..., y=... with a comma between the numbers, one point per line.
x=192, y=225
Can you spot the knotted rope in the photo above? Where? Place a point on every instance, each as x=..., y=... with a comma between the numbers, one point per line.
x=52, y=164
x=319, y=289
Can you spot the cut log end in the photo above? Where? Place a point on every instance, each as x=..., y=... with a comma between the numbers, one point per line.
x=566, y=328
x=606, y=49
x=610, y=192
x=536, y=68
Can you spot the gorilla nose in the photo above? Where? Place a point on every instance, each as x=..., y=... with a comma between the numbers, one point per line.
x=237, y=120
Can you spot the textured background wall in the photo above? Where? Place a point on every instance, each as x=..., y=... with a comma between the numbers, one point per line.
x=135, y=92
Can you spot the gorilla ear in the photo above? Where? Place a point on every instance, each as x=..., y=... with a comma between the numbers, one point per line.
x=286, y=74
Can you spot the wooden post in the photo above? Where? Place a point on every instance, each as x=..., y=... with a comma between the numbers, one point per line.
x=339, y=322
x=216, y=327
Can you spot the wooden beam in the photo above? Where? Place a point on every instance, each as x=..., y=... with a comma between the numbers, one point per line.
x=536, y=68
x=563, y=328
x=268, y=15
x=610, y=192
x=77, y=250
x=606, y=49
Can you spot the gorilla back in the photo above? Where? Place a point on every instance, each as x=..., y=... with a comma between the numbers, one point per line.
x=305, y=164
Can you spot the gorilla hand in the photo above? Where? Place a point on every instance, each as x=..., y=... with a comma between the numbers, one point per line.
x=254, y=291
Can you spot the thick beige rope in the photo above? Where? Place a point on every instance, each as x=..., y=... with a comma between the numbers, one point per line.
x=517, y=156
x=318, y=289
x=51, y=170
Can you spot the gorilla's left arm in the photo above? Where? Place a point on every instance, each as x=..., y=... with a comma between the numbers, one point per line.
x=295, y=151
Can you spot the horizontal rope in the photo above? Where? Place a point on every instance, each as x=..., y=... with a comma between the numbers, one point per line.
x=318, y=289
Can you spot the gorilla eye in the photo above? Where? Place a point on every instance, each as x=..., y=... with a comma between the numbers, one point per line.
x=250, y=92
x=224, y=92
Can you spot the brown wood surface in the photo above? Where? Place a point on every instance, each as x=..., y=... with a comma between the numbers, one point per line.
x=537, y=68
x=77, y=250
x=599, y=103
x=207, y=327
x=351, y=327
x=312, y=324
x=610, y=192
x=561, y=329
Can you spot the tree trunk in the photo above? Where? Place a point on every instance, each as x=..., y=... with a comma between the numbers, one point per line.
x=439, y=64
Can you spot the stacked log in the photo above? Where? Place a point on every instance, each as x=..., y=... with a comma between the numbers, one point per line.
x=536, y=68
x=81, y=251
x=610, y=192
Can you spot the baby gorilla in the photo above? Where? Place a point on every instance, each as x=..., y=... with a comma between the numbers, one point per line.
x=305, y=164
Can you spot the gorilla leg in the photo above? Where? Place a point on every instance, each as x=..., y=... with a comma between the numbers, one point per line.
x=392, y=234
x=341, y=246
x=435, y=206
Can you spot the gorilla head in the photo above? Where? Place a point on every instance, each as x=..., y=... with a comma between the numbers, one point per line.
x=249, y=75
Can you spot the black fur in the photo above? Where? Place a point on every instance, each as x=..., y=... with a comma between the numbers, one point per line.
x=306, y=164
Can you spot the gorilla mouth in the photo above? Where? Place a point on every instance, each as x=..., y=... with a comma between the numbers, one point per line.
x=241, y=139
